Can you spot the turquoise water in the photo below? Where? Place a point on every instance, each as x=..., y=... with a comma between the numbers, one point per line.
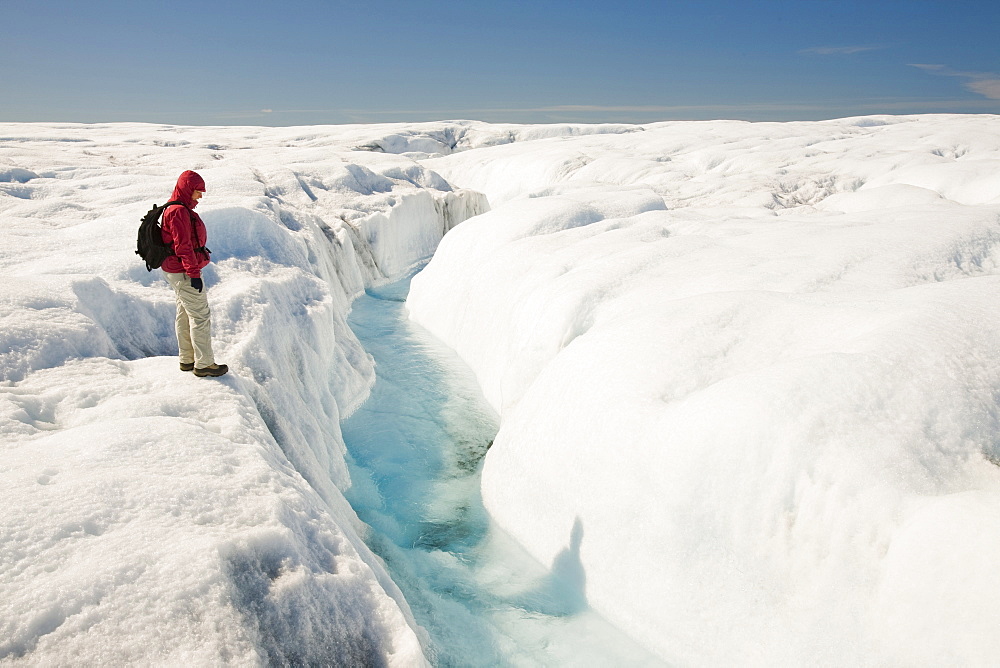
x=416, y=448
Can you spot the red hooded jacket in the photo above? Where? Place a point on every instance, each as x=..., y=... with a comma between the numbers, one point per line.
x=183, y=228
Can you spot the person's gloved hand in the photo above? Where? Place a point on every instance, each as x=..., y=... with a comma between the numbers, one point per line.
x=197, y=284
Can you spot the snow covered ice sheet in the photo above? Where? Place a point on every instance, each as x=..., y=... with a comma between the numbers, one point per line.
x=757, y=365
x=749, y=370
x=152, y=517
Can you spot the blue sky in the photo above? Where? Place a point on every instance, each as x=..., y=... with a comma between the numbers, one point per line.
x=336, y=61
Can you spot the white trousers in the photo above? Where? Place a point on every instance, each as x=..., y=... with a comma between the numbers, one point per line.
x=194, y=322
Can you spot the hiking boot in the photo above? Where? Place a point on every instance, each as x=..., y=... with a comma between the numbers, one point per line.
x=187, y=366
x=214, y=370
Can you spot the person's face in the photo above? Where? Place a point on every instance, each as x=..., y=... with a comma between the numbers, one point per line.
x=196, y=195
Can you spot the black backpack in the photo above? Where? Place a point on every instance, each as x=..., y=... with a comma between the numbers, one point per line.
x=149, y=245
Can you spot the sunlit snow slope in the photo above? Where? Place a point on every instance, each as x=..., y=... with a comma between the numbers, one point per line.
x=756, y=365
x=749, y=371
x=151, y=517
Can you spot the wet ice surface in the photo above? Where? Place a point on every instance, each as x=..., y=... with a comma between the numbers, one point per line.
x=417, y=445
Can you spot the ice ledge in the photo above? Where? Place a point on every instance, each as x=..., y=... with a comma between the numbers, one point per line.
x=155, y=517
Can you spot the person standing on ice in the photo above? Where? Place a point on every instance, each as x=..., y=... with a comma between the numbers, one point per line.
x=183, y=228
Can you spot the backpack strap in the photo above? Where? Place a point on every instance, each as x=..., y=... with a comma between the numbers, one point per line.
x=194, y=228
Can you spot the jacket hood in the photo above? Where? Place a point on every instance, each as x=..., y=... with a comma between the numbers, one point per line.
x=187, y=183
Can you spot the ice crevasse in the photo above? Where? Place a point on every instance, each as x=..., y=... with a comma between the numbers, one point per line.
x=149, y=516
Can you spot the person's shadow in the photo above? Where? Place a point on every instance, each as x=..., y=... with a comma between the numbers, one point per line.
x=563, y=591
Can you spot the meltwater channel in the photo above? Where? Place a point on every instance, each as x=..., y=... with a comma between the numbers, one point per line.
x=415, y=449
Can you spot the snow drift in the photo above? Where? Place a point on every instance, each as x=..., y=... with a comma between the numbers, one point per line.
x=755, y=367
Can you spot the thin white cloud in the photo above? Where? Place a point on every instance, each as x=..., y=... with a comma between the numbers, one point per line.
x=867, y=106
x=841, y=50
x=628, y=113
x=672, y=108
x=986, y=87
x=986, y=84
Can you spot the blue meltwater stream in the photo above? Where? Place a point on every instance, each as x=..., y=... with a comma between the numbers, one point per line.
x=416, y=449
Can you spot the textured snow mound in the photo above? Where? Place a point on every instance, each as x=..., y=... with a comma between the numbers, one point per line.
x=753, y=368
x=152, y=517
